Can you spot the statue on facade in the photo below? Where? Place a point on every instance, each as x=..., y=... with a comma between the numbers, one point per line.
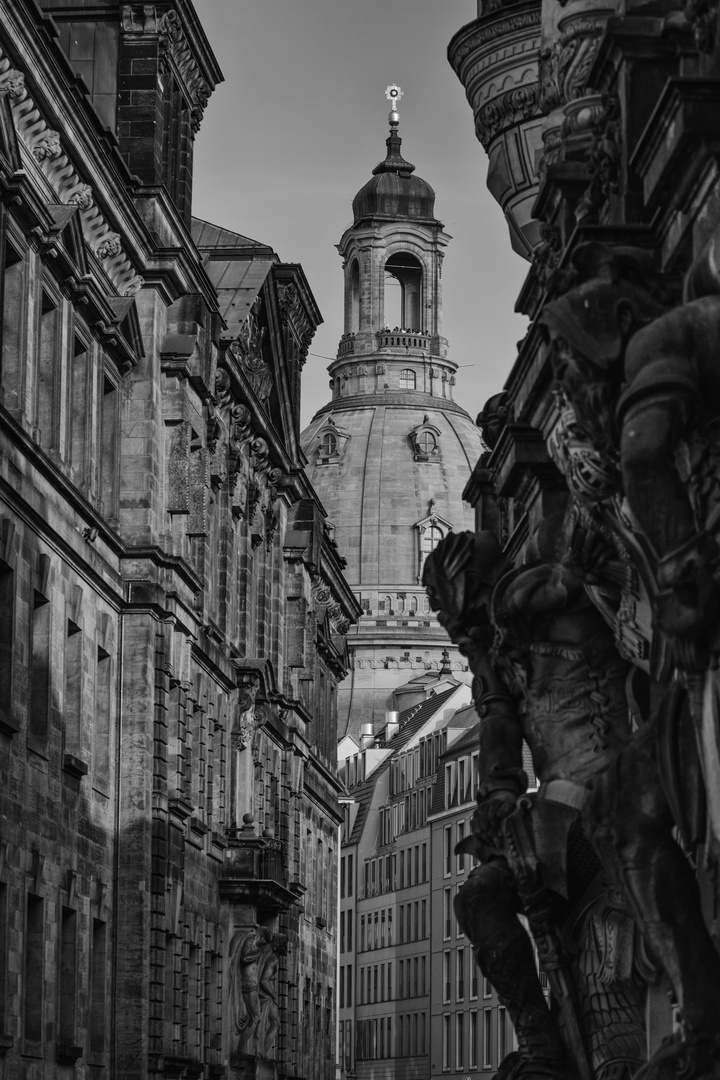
x=547, y=672
x=269, y=1019
x=642, y=382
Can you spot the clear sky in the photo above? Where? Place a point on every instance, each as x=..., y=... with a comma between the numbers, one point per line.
x=296, y=129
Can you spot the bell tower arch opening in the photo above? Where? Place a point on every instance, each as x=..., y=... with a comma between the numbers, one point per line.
x=403, y=292
x=354, y=298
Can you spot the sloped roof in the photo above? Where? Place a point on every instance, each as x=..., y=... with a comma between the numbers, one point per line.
x=412, y=719
x=236, y=265
x=363, y=797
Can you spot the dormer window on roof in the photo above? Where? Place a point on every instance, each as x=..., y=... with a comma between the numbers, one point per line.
x=425, y=440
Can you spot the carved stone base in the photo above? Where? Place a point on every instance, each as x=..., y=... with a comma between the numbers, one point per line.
x=250, y=1068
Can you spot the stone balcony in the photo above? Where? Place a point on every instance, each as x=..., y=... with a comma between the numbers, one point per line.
x=255, y=871
x=409, y=340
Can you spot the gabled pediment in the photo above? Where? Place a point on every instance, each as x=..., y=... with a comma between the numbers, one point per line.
x=66, y=224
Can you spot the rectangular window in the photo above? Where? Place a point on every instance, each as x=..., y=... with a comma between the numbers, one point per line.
x=446, y=1042
x=350, y=941
x=342, y=987
x=423, y=984
x=460, y=867
x=424, y=862
x=79, y=410
x=7, y=635
x=98, y=957
x=447, y=914
x=401, y=913
x=390, y=926
x=348, y=1045
x=67, y=988
x=382, y=928
x=3, y=955
x=423, y=919
x=362, y=933
x=48, y=371
x=448, y=786
x=473, y=1060
x=375, y=996
x=417, y=863
x=459, y=1039
x=460, y=973
x=102, y=716
x=487, y=989
x=446, y=976
x=108, y=479
x=342, y=878
x=342, y=931
x=389, y=981
x=33, y=968
x=39, y=689
x=350, y=876
x=402, y=869
x=487, y=1039
x=447, y=842
x=473, y=980
x=416, y=919
x=349, y=985
x=462, y=795
x=502, y=1033
x=72, y=702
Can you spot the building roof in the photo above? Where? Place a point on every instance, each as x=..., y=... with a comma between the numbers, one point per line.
x=236, y=265
x=394, y=193
x=363, y=794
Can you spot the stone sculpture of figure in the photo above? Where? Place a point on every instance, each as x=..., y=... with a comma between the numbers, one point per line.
x=657, y=378
x=645, y=382
x=269, y=1020
x=247, y=950
x=553, y=678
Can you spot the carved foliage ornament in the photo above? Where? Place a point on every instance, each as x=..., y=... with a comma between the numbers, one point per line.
x=502, y=112
x=46, y=146
x=247, y=348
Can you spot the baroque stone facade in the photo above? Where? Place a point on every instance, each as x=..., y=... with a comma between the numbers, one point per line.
x=173, y=609
x=587, y=599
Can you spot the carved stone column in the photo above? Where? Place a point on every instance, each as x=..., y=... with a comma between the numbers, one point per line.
x=496, y=59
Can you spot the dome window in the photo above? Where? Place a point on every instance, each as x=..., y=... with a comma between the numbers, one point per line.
x=328, y=446
x=430, y=531
x=425, y=441
x=331, y=442
x=407, y=379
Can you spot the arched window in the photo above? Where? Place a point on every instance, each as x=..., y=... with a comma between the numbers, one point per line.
x=388, y=604
x=401, y=604
x=426, y=605
x=354, y=321
x=407, y=379
x=403, y=292
x=426, y=442
x=413, y=605
x=430, y=539
x=328, y=444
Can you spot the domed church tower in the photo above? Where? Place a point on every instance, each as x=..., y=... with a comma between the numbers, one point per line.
x=391, y=452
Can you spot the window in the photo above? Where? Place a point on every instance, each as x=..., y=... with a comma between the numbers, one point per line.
x=349, y=985
x=424, y=862
x=430, y=539
x=350, y=942
x=342, y=878
x=460, y=865
x=425, y=442
x=328, y=444
x=407, y=379
x=473, y=980
x=33, y=968
x=68, y=976
x=423, y=918
x=350, y=876
x=342, y=987
x=403, y=292
x=487, y=989
x=73, y=688
x=354, y=293
x=459, y=1039
x=446, y=1042
x=502, y=1034
x=39, y=689
x=473, y=1040
x=447, y=913
x=487, y=1037
x=389, y=981
x=7, y=635
x=102, y=714
x=460, y=973
x=446, y=975
x=447, y=842
x=362, y=933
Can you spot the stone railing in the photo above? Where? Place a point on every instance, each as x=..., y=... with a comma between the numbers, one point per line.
x=403, y=339
x=346, y=346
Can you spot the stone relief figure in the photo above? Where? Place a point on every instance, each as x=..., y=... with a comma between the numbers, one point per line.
x=642, y=383
x=547, y=672
x=255, y=1019
x=248, y=347
x=247, y=950
x=269, y=1021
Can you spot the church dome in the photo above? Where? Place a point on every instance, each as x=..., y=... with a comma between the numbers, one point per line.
x=394, y=193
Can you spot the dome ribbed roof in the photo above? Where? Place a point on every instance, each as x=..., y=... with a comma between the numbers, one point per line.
x=393, y=192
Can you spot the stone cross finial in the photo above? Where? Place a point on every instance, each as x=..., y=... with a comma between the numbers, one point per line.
x=393, y=94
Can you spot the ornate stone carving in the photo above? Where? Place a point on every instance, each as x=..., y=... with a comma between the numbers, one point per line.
x=109, y=246
x=248, y=348
x=34, y=131
x=254, y=961
x=509, y=108
x=703, y=16
x=546, y=671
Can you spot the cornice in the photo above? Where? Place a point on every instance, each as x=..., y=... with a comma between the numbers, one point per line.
x=401, y=400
